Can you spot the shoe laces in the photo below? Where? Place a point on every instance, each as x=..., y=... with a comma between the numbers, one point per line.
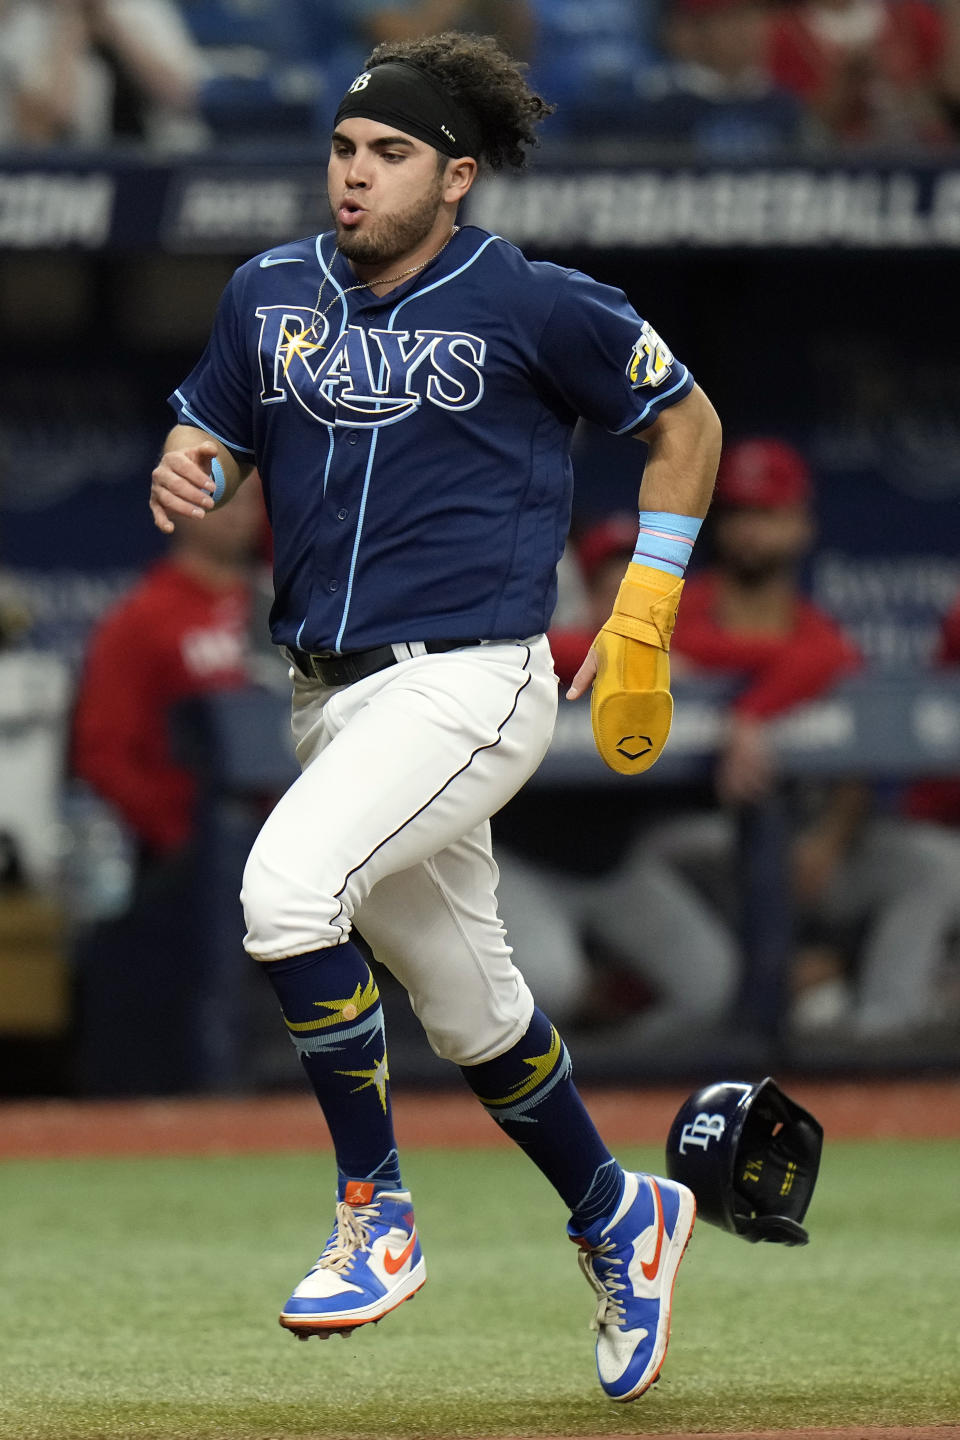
x=610, y=1308
x=350, y=1234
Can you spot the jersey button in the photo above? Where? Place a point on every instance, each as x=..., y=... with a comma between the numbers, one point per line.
x=333, y=586
x=352, y=438
x=342, y=514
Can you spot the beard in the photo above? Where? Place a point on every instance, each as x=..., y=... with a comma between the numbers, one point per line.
x=392, y=237
x=752, y=572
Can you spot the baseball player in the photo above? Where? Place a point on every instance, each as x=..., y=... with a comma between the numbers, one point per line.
x=408, y=390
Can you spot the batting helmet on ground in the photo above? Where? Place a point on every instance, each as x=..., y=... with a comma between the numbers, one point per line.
x=750, y=1155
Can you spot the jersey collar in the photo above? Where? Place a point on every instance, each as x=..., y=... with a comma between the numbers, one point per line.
x=460, y=248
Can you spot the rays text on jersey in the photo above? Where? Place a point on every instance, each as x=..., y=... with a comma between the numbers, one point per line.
x=365, y=378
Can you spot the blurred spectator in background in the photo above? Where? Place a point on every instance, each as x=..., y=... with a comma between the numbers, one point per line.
x=345, y=31
x=883, y=887
x=155, y=71
x=589, y=59
x=715, y=92
x=509, y=21
x=41, y=43
x=265, y=65
x=34, y=698
x=14, y=614
x=277, y=68
x=939, y=800
x=872, y=72
x=729, y=78
x=89, y=72
x=183, y=630
x=595, y=930
x=746, y=616
x=34, y=969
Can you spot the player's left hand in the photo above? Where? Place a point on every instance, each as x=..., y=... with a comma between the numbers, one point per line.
x=631, y=707
x=584, y=677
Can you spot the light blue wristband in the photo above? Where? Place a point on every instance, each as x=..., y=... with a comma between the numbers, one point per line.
x=665, y=541
x=219, y=480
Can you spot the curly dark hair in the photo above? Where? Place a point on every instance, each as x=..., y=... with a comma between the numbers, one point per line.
x=486, y=81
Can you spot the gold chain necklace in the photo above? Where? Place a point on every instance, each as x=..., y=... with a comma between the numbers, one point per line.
x=366, y=284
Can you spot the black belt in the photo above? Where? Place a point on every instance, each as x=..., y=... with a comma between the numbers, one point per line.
x=331, y=668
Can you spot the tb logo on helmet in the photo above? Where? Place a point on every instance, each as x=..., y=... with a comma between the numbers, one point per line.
x=701, y=1130
x=750, y=1155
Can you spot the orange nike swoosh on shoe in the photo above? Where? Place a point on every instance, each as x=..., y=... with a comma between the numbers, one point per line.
x=650, y=1267
x=392, y=1263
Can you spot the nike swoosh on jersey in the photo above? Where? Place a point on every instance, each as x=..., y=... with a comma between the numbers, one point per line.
x=392, y=1263
x=269, y=260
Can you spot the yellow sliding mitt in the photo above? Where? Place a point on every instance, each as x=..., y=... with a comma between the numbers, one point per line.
x=631, y=706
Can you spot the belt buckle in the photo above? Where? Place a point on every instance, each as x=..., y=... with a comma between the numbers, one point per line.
x=334, y=669
x=308, y=662
x=316, y=658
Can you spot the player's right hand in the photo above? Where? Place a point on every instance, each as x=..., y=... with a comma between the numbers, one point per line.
x=182, y=484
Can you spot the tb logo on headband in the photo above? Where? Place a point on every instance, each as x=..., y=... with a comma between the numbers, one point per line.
x=361, y=83
x=365, y=378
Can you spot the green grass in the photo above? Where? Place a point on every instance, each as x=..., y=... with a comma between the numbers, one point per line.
x=139, y=1298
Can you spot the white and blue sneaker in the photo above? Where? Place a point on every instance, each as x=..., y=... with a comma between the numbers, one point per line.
x=371, y=1264
x=631, y=1260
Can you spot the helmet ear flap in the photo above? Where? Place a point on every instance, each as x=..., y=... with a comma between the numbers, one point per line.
x=750, y=1155
x=776, y=1165
x=776, y=1228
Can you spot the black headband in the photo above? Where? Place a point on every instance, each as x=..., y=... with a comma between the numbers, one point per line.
x=403, y=95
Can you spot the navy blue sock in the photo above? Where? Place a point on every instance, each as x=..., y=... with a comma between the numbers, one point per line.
x=530, y=1093
x=331, y=1006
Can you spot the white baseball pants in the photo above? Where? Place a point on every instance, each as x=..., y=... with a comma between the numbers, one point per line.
x=388, y=827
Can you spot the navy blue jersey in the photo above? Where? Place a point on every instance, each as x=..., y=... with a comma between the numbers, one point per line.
x=415, y=448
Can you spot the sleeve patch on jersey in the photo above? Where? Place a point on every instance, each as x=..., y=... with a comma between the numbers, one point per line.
x=651, y=360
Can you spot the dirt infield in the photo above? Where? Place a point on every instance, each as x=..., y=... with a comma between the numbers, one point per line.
x=887, y=1109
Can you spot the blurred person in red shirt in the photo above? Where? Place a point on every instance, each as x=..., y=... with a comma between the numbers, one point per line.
x=746, y=616
x=939, y=800
x=667, y=927
x=872, y=72
x=644, y=908
x=162, y=1003
x=888, y=882
x=182, y=630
